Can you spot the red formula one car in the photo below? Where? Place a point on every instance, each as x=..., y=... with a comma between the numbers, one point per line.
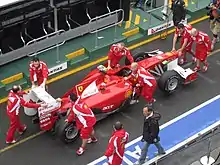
x=107, y=92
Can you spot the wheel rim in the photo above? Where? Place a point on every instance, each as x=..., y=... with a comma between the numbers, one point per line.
x=71, y=132
x=139, y=59
x=172, y=84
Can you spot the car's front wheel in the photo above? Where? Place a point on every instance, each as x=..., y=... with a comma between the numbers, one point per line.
x=169, y=82
x=67, y=132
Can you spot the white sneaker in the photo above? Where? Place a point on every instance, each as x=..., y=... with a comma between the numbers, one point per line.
x=134, y=102
x=12, y=142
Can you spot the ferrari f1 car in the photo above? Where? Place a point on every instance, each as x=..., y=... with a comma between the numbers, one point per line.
x=107, y=92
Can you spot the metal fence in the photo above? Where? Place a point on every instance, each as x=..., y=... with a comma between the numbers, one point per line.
x=59, y=37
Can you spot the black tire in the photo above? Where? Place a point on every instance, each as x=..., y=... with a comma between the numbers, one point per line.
x=169, y=82
x=137, y=57
x=67, y=132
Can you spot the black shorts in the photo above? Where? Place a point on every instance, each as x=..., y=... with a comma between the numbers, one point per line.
x=177, y=20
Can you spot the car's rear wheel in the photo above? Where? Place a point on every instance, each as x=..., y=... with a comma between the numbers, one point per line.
x=67, y=132
x=169, y=82
x=137, y=57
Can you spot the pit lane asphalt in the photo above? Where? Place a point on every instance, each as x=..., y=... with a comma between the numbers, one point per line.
x=45, y=149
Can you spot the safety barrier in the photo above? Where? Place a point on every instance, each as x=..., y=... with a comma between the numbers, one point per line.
x=56, y=39
x=49, y=48
x=113, y=21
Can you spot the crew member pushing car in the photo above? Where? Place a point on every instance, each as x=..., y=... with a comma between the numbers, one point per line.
x=117, y=51
x=143, y=79
x=85, y=121
x=186, y=41
x=13, y=106
x=116, y=145
x=203, y=48
x=38, y=68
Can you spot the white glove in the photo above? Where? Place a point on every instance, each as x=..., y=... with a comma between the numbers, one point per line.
x=59, y=100
x=33, y=86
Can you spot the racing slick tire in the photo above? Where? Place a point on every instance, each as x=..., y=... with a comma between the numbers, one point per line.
x=67, y=132
x=137, y=57
x=169, y=81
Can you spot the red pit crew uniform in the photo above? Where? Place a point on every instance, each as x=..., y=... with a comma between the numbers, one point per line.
x=84, y=118
x=186, y=35
x=14, y=103
x=203, y=46
x=116, y=147
x=41, y=72
x=146, y=81
x=115, y=55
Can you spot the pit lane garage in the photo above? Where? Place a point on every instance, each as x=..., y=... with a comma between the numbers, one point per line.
x=51, y=151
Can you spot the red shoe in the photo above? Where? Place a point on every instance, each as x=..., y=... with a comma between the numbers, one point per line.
x=205, y=67
x=25, y=128
x=12, y=142
x=80, y=151
x=92, y=140
x=196, y=69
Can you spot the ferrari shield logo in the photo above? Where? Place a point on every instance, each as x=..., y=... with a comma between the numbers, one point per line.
x=80, y=88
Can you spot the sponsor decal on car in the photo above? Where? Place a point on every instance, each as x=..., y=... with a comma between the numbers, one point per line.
x=108, y=107
x=57, y=68
x=169, y=53
x=128, y=93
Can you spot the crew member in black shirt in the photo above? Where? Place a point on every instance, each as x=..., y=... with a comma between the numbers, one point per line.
x=179, y=11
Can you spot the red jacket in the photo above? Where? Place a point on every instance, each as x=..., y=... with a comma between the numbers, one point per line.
x=116, y=146
x=115, y=55
x=41, y=72
x=186, y=34
x=82, y=115
x=187, y=28
x=15, y=102
x=145, y=78
x=203, y=42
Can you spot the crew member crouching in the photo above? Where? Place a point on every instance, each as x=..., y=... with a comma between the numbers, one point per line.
x=145, y=81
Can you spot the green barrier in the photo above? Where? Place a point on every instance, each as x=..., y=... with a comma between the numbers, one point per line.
x=3, y=92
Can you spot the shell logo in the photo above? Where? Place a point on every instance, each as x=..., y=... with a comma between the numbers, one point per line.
x=169, y=54
x=128, y=93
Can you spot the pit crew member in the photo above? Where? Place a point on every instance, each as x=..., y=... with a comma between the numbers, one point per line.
x=179, y=11
x=116, y=145
x=13, y=107
x=186, y=41
x=214, y=17
x=117, y=51
x=203, y=48
x=40, y=69
x=85, y=121
x=143, y=79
